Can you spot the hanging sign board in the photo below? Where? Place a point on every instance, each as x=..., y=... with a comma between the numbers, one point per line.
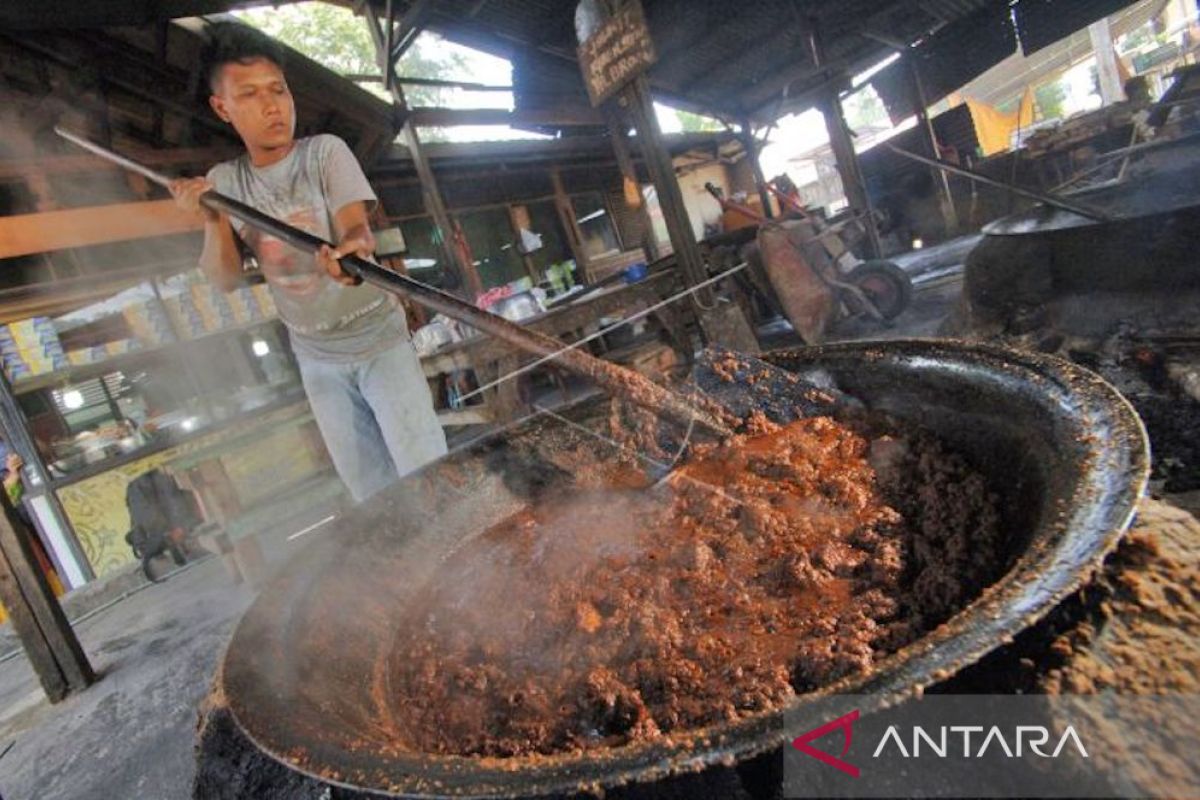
x=616, y=53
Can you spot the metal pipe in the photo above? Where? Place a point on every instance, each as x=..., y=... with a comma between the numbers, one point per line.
x=1050, y=200
x=617, y=380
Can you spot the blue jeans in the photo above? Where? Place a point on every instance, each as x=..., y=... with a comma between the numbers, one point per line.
x=376, y=417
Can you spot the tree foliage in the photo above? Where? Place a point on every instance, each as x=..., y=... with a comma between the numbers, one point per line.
x=697, y=123
x=1049, y=98
x=864, y=109
x=335, y=38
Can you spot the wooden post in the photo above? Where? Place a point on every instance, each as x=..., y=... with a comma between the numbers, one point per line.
x=432, y=197
x=723, y=323
x=71, y=562
x=431, y=194
x=853, y=183
x=566, y=215
x=627, y=53
x=1107, y=73
x=53, y=650
x=620, y=143
x=414, y=312
x=760, y=180
x=940, y=177
x=518, y=220
x=637, y=100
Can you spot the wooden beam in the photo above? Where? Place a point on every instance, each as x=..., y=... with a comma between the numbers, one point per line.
x=566, y=215
x=619, y=137
x=471, y=33
x=853, y=183
x=26, y=234
x=760, y=181
x=50, y=643
x=426, y=117
x=142, y=88
x=636, y=99
x=518, y=217
x=24, y=623
x=404, y=80
x=410, y=27
x=23, y=168
x=431, y=195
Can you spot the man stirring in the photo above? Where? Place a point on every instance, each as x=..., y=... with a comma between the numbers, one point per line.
x=360, y=372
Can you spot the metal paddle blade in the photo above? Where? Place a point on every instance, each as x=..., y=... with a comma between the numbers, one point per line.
x=744, y=384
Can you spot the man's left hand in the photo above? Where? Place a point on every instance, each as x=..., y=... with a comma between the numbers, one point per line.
x=328, y=257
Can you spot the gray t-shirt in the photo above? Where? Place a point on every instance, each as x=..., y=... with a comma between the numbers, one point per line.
x=328, y=321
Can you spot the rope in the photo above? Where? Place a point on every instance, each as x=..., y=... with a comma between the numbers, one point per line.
x=632, y=318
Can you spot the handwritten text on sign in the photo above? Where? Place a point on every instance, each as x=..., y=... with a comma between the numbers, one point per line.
x=616, y=53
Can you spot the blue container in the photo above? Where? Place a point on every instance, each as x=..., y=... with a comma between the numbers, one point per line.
x=635, y=272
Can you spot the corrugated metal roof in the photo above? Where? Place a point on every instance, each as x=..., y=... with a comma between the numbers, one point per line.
x=732, y=58
x=950, y=9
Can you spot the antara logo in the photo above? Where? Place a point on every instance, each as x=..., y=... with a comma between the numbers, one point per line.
x=844, y=722
x=1025, y=737
x=1035, y=736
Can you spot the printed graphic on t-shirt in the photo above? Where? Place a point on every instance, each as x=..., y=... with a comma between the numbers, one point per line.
x=288, y=269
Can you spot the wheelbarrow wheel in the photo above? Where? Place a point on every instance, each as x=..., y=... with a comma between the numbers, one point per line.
x=887, y=286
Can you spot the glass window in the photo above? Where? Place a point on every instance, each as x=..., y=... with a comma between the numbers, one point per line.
x=493, y=245
x=136, y=400
x=424, y=255
x=596, y=225
x=543, y=220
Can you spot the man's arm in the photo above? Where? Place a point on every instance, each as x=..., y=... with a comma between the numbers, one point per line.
x=347, y=191
x=353, y=232
x=220, y=259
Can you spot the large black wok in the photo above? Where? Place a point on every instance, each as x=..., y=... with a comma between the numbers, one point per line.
x=305, y=667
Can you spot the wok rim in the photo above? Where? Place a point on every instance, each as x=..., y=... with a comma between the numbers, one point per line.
x=984, y=625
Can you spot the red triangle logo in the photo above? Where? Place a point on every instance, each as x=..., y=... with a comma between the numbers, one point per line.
x=844, y=722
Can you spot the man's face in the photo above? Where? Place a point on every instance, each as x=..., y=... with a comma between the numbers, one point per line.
x=255, y=98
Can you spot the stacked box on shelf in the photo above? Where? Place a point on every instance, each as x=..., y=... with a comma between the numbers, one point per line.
x=29, y=335
x=120, y=347
x=215, y=313
x=79, y=357
x=266, y=303
x=31, y=347
x=183, y=313
x=244, y=306
x=148, y=323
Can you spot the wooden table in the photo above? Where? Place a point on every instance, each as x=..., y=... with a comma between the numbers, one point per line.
x=490, y=358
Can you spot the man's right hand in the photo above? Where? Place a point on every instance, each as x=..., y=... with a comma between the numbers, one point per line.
x=187, y=191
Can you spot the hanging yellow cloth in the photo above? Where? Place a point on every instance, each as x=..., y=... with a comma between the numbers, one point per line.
x=995, y=129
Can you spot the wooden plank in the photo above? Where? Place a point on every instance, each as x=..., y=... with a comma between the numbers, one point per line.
x=409, y=27
x=68, y=668
x=37, y=649
x=566, y=216
x=26, y=234
x=22, y=168
x=467, y=416
x=429, y=117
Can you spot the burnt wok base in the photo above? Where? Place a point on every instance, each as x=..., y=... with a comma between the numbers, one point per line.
x=230, y=767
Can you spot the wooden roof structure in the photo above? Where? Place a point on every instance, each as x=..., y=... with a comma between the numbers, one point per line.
x=752, y=59
x=120, y=70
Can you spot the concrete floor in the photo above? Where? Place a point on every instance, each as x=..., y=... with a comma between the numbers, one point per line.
x=131, y=735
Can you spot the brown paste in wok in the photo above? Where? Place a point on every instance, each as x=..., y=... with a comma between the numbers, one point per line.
x=768, y=565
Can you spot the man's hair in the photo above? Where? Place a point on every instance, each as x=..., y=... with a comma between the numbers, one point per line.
x=235, y=43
